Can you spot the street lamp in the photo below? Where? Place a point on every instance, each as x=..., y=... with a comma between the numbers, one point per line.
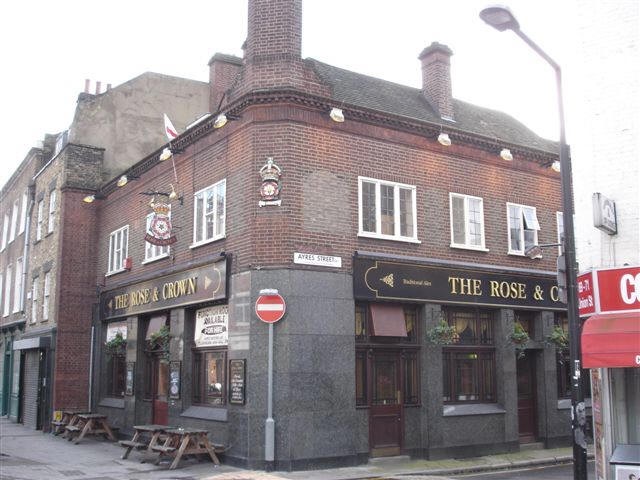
x=502, y=19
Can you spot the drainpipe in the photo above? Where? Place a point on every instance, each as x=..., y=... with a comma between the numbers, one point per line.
x=25, y=256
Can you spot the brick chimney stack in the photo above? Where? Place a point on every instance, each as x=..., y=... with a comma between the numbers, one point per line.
x=436, y=78
x=223, y=73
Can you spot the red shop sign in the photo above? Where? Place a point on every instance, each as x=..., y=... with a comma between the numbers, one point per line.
x=609, y=290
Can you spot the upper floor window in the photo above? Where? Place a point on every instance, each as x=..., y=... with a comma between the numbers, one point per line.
x=45, y=296
x=14, y=220
x=34, y=299
x=209, y=208
x=52, y=211
x=23, y=214
x=5, y=231
x=151, y=251
x=387, y=210
x=467, y=221
x=7, y=292
x=118, y=248
x=17, y=287
x=40, y=219
x=523, y=228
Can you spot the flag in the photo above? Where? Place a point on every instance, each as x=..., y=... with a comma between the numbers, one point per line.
x=169, y=129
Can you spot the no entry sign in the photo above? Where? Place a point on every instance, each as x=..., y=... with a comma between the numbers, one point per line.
x=270, y=308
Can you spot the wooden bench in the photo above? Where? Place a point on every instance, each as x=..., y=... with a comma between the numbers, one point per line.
x=58, y=427
x=132, y=444
x=163, y=449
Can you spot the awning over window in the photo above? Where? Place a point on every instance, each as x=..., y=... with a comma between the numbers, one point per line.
x=611, y=341
x=387, y=320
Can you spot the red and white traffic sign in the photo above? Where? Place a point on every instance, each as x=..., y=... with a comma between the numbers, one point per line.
x=270, y=308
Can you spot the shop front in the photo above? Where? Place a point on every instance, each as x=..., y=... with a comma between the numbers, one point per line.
x=610, y=347
x=453, y=359
x=161, y=349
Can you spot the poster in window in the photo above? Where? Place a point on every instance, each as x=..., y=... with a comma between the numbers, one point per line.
x=212, y=326
x=237, y=377
x=174, y=380
x=128, y=390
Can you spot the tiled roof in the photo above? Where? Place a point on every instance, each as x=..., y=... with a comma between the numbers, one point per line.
x=357, y=90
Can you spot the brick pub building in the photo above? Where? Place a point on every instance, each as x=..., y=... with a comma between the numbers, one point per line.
x=407, y=217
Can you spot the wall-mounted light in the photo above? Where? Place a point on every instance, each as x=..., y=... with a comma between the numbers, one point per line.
x=89, y=199
x=555, y=166
x=337, y=115
x=220, y=121
x=443, y=139
x=506, y=154
x=122, y=181
x=166, y=154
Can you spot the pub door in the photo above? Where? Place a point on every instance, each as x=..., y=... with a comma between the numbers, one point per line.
x=385, y=414
x=159, y=378
x=527, y=417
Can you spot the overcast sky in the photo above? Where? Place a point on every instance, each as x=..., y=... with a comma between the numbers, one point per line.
x=49, y=49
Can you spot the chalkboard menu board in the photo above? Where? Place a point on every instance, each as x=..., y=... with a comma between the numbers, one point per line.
x=174, y=380
x=237, y=378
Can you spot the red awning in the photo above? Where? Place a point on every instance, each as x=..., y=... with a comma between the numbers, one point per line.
x=611, y=340
x=388, y=320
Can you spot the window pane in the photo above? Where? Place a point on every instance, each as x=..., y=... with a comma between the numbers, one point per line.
x=387, y=209
x=466, y=367
x=406, y=212
x=361, y=322
x=457, y=220
x=384, y=380
x=515, y=228
x=220, y=210
x=530, y=218
x=368, y=207
x=198, y=218
x=411, y=395
x=464, y=322
x=475, y=221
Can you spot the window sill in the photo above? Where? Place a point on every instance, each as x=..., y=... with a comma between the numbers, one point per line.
x=472, y=409
x=565, y=403
x=206, y=413
x=115, y=272
x=388, y=237
x=206, y=242
x=469, y=247
x=112, y=402
x=154, y=259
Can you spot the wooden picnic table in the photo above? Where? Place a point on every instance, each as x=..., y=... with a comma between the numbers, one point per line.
x=185, y=441
x=66, y=418
x=144, y=438
x=89, y=424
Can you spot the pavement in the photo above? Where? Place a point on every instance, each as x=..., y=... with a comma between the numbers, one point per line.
x=27, y=454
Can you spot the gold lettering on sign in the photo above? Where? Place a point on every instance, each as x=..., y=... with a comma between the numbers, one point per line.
x=465, y=286
x=514, y=290
x=186, y=286
x=122, y=301
x=140, y=297
x=553, y=293
x=388, y=279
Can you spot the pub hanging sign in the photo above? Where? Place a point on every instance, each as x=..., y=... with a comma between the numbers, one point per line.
x=389, y=280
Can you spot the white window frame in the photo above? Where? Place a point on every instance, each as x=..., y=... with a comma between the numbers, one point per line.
x=45, y=296
x=218, y=218
x=528, y=221
x=154, y=252
x=52, y=211
x=467, y=222
x=118, y=250
x=1, y=291
x=396, y=211
x=7, y=291
x=40, y=220
x=14, y=220
x=560, y=230
x=17, y=286
x=34, y=299
x=5, y=231
x=23, y=213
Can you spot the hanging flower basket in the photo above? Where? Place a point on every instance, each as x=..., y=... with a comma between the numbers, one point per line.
x=519, y=337
x=116, y=346
x=442, y=334
x=558, y=338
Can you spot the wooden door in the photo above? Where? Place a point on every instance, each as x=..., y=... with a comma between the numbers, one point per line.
x=385, y=417
x=527, y=418
x=160, y=389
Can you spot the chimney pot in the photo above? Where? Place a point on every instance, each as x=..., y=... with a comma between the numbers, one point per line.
x=98, y=85
x=87, y=85
x=436, y=78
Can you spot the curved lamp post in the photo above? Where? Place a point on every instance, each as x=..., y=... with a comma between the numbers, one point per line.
x=502, y=19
